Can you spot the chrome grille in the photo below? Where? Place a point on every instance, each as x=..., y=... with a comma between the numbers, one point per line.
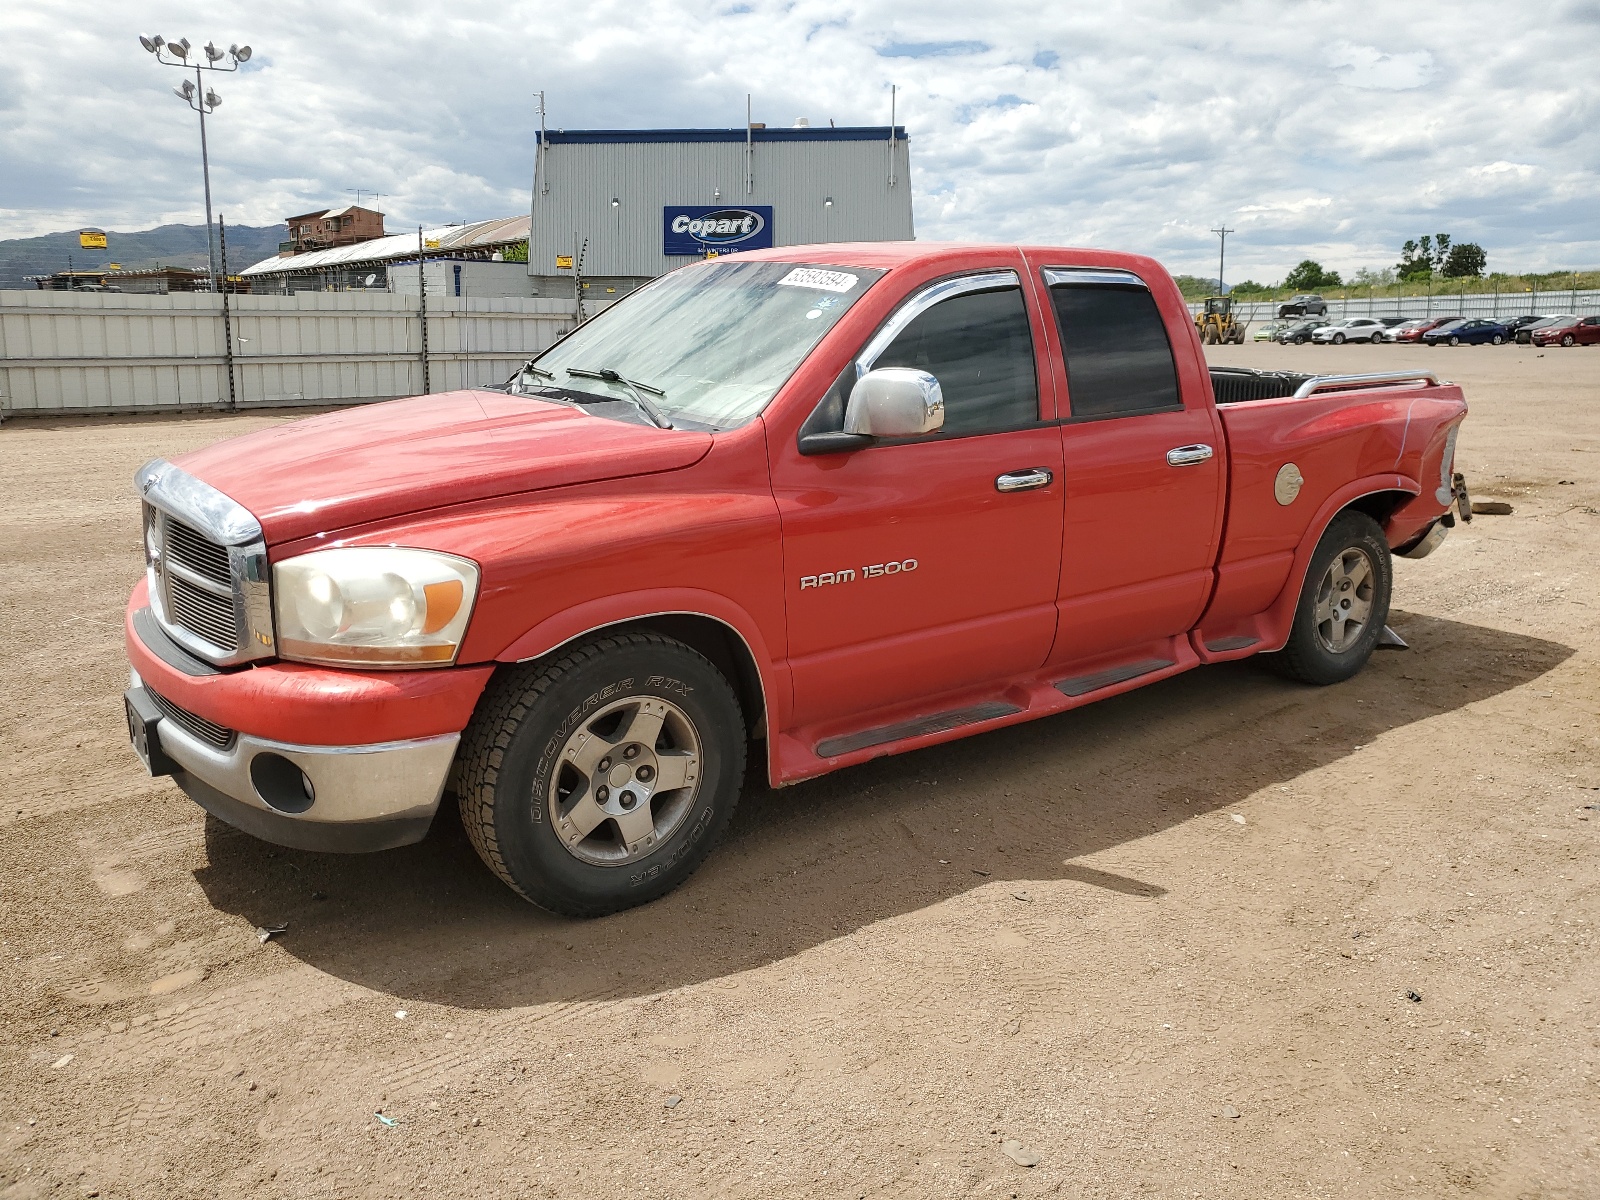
x=200, y=611
x=196, y=551
x=196, y=582
x=208, y=732
x=209, y=578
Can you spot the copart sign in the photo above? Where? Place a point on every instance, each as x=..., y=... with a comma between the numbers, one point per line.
x=696, y=229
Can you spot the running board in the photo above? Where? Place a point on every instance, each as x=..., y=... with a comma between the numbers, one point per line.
x=1223, y=645
x=920, y=727
x=1082, y=685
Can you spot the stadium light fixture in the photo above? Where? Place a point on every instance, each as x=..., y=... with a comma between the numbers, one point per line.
x=203, y=100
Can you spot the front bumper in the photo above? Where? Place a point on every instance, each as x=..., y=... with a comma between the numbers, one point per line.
x=337, y=798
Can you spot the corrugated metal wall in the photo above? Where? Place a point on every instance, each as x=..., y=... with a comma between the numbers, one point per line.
x=104, y=352
x=644, y=177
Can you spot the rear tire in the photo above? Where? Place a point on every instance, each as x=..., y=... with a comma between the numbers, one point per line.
x=568, y=765
x=1497, y=340
x=1344, y=604
x=1376, y=339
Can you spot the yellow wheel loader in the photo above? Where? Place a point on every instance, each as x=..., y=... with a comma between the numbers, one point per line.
x=1216, y=324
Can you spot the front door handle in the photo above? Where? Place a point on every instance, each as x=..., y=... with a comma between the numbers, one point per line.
x=1188, y=456
x=1024, y=481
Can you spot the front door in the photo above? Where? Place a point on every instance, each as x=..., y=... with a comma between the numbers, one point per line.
x=923, y=566
x=1143, y=459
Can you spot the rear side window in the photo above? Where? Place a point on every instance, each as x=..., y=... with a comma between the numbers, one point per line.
x=1119, y=362
x=980, y=349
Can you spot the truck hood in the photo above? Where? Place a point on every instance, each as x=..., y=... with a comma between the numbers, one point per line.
x=386, y=460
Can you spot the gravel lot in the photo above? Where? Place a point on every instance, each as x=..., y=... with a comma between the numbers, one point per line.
x=1166, y=942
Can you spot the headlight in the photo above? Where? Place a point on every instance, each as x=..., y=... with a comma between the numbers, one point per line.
x=374, y=606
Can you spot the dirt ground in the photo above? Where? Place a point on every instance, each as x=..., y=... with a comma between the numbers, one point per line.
x=1166, y=942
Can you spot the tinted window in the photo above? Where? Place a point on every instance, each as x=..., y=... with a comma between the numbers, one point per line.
x=980, y=349
x=1119, y=362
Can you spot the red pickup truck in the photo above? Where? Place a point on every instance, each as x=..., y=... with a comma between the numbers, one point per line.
x=819, y=504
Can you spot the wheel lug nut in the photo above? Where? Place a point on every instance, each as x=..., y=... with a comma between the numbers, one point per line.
x=631, y=752
x=628, y=799
x=602, y=793
x=605, y=764
x=645, y=773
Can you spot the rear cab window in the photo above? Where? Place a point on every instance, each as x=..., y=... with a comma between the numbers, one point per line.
x=1118, y=356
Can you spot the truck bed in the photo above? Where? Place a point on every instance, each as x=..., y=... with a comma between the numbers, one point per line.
x=1233, y=385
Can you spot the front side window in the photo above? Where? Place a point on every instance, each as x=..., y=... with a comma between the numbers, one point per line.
x=1119, y=361
x=980, y=349
x=709, y=344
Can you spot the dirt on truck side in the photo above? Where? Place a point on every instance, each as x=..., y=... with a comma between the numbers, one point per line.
x=1223, y=935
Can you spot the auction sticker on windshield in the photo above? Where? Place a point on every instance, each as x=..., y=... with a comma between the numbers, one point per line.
x=811, y=277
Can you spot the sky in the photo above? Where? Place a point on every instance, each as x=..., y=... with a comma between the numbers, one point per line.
x=1313, y=128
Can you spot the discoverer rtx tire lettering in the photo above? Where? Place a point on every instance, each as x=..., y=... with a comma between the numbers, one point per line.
x=551, y=776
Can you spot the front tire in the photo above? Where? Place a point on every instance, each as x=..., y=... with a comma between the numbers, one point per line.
x=1497, y=340
x=1343, y=606
x=601, y=779
x=1338, y=339
x=1569, y=341
x=1455, y=341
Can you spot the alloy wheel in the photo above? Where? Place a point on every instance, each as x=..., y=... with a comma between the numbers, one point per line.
x=626, y=780
x=1344, y=600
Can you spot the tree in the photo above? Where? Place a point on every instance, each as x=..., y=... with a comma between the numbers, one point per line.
x=1308, y=275
x=1466, y=260
x=1420, y=259
x=1249, y=287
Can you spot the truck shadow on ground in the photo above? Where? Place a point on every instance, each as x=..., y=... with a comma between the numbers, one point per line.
x=808, y=864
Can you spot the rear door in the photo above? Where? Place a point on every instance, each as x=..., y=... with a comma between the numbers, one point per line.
x=930, y=564
x=1143, y=458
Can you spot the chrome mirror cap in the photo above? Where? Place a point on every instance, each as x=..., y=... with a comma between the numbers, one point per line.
x=895, y=402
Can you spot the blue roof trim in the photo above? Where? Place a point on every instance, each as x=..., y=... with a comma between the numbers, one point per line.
x=854, y=133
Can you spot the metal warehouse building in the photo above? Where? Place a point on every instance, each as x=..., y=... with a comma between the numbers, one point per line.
x=614, y=208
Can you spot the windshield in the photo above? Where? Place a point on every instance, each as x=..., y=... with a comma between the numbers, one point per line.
x=711, y=344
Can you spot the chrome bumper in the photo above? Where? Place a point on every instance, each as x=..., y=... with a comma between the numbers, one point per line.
x=338, y=798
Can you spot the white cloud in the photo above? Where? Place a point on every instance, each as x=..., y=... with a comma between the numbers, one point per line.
x=1369, y=67
x=1316, y=129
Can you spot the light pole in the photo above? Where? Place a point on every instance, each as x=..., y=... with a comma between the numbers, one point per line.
x=201, y=99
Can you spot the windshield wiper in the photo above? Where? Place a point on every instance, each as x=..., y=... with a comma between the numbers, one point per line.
x=636, y=392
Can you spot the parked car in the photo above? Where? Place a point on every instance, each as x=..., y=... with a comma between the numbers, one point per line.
x=1306, y=305
x=1525, y=334
x=1581, y=331
x=1478, y=331
x=1392, y=333
x=1269, y=332
x=1298, y=333
x=812, y=509
x=1515, y=325
x=1351, y=329
x=1428, y=325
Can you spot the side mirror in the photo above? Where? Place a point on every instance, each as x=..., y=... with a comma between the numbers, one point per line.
x=895, y=402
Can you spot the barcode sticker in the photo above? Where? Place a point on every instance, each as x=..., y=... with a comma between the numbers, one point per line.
x=827, y=281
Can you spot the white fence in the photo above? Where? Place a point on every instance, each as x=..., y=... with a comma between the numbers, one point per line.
x=104, y=352
x=1438, y=304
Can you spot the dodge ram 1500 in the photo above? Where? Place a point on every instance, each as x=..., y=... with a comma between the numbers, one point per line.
x=817, y=503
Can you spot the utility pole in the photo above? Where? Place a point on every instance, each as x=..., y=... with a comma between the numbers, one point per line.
x=1222, y=255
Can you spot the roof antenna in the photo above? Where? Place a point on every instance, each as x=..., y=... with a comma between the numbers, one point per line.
x=892, y=91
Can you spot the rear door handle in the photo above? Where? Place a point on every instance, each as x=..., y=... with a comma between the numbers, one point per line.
x=1024, y=481
x=1188, y=456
